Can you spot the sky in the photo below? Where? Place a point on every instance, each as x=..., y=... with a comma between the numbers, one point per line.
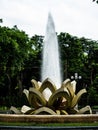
x=76, y=17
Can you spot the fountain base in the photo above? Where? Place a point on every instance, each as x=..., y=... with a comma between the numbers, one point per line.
x=49, y=118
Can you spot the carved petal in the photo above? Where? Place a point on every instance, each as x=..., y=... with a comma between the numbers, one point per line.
x=58, y=112
x=36, y=96
x=48, y=84
x=26, y=92
x=67, y=84
x=15, y=110
x=25, y=109
x=59, y=94
x=64, y=84
x=63, y=112
x=35, y=84
x=44, y=110
x=74, y=85
x=77, y=97
x=85, y=109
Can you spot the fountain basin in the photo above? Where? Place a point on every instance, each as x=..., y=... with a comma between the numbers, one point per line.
x=49, y=118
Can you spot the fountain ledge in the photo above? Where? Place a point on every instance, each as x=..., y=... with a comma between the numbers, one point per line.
x=49, y=118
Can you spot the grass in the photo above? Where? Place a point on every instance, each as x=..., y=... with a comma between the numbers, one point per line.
x=47, y=124
x=95, y=107
x=3, y=108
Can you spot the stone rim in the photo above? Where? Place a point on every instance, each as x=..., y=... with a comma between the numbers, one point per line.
x=49, y=118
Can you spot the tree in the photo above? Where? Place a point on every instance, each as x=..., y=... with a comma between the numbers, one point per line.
x=1, y=20
x=71, y=53
x=33, y=62
x=95, y=1
x=90, y=70
x=13, y=52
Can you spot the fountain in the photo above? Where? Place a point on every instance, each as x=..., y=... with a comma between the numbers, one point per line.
x=51, y=97
x=51, y=56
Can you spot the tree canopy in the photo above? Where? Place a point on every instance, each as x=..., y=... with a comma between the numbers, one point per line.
x=95, y=1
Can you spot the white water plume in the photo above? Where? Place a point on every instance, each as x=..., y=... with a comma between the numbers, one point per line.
x=51, y=56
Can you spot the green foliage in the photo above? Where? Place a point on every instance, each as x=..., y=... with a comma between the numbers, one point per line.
x=13, y=49
x=71, y=53
x=1, y=21
x=33, y=62
x=95, y=1
x=23, y=124
x=92, y=96
x=13, y=52
x=20, y=60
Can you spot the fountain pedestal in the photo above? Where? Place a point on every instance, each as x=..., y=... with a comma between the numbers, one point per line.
x=49, y=118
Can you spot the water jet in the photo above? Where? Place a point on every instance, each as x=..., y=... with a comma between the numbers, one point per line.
x=51, y=57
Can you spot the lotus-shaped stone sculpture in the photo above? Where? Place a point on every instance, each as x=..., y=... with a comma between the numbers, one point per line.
x=62, y=101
